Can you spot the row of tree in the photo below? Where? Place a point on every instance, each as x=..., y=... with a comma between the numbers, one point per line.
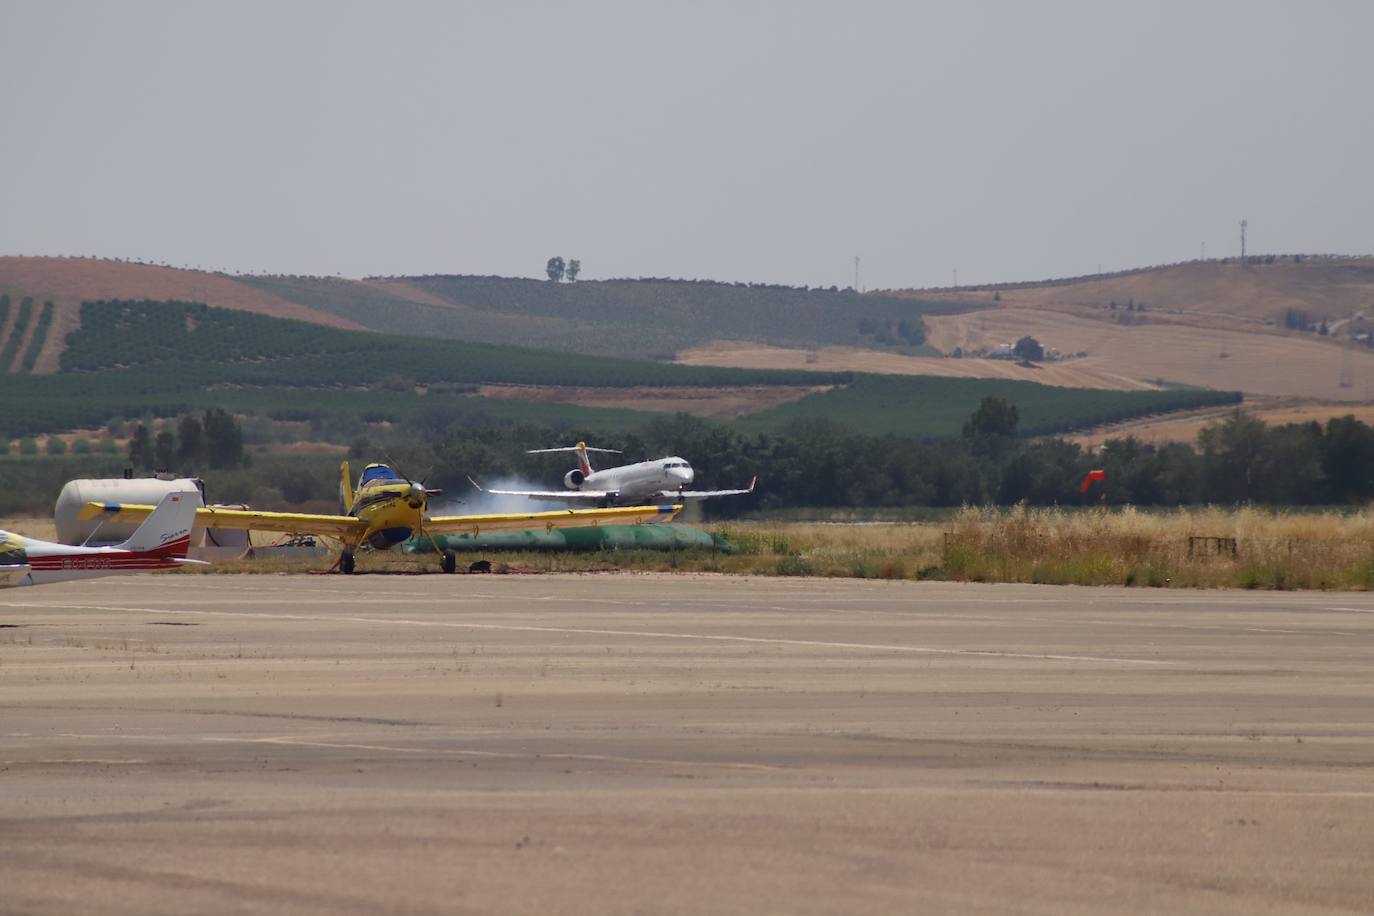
x=814, y=463
x=213, y=441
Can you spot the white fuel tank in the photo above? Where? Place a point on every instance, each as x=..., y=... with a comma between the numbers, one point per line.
x=205, y=544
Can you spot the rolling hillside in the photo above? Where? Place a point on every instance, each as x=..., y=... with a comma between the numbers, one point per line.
x=642, y=318
x=1216, y=324
x=67, y=282
x=1270, y=364
x=650, y=319
x=1262, y=289
x=1274, y=326
x=140, y=358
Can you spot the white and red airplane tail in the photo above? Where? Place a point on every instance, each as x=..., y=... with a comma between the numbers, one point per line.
x=581, y=449
x=166, y=533
x=161, y=542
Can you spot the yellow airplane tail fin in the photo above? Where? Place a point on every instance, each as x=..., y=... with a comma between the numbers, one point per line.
x=345, y=490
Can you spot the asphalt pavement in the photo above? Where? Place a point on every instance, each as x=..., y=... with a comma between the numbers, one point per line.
x=670, y=744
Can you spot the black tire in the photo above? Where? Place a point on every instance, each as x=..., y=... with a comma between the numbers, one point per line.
x=448, y=563
x=346, y=563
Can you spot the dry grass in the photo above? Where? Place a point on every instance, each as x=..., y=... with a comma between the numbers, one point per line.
x=1272, y=549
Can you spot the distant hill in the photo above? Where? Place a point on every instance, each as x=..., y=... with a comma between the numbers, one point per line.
x=132, y=359
x=648, y=318
x=1263, y=288
x=1273, y=325
x=67, y=282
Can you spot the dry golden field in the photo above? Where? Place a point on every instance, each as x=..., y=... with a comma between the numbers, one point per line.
x=1083, y=373
x=1187, y=547
x=1254, y=363
x=1184, y=426
x=1326, y=288
x=1273, y=549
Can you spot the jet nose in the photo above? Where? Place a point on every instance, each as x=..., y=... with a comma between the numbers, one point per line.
x=684, y=474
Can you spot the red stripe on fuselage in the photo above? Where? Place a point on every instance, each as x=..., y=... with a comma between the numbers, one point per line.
x=78, y=561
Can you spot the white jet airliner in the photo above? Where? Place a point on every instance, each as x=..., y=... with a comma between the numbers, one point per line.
x=160, y=542
x=627, y=485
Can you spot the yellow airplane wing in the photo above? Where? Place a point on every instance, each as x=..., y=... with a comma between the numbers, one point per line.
x=338, y=526
x=567, y=518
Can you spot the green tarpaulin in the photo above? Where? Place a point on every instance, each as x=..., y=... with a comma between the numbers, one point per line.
x=604, y=537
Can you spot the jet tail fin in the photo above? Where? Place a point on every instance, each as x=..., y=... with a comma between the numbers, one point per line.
x=581, y=448
x=166, y=532
x=582, y=462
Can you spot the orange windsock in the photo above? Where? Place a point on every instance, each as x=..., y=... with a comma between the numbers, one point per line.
x=1094, y=474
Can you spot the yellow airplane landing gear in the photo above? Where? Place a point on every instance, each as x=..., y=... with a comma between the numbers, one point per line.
x=346, y=563
x=448, y=562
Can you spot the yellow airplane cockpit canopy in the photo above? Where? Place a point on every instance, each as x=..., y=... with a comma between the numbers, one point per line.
x=374, y=473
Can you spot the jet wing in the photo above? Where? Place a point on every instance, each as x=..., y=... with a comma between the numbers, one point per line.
x=562, y=496
x=338, y=526
x=547, y=521
x=706, y=494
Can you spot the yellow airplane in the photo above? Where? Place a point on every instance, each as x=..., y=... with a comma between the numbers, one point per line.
x=384, y=510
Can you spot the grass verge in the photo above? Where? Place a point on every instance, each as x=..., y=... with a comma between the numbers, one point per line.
x=1273, y=550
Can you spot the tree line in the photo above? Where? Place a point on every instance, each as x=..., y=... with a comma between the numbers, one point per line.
x=817, y=464
x=810, y=464
x=213, y=440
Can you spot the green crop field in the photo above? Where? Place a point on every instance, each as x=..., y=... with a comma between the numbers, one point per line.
x=929, y=407
x=16, y=335
x=644, y=318
x=40, y=336
x=227, y=347
x=163, y=359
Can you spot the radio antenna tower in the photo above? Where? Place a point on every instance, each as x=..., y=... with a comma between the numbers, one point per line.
x=857, y=288
x=1243, y=224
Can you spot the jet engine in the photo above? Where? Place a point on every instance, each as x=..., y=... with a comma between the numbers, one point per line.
x=573, y=479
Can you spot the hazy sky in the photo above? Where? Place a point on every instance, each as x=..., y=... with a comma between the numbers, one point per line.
x=733, y=140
